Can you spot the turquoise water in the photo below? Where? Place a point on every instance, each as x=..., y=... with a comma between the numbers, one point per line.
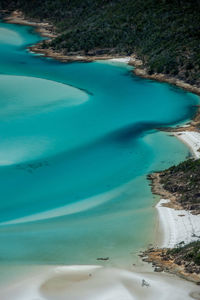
x=76, y=143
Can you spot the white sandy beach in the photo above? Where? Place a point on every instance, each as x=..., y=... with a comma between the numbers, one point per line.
x=179, y=225
x=121, y=59
x=192, y=140
x=106, y=283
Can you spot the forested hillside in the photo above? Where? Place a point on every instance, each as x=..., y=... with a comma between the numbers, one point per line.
x=165, y=34
x=183, y=181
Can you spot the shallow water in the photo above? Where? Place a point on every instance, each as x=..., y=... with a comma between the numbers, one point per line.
x=76, y=143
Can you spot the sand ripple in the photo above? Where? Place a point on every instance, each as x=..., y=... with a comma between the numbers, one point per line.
x=98, y=283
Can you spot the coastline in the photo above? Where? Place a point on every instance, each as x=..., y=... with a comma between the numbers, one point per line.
x=142, y=72
x=95, y=283
x=46, y=29
x=176, y=225
x=48, y=32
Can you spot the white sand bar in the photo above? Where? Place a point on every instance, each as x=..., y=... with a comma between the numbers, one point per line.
x=180, y=225
x=96, y=283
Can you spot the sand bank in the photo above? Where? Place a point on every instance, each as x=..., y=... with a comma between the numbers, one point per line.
x=96, y=283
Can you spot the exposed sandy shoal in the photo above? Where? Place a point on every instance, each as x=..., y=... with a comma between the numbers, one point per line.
x=97, y=283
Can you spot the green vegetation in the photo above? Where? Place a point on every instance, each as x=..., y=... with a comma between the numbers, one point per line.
x=189, y=255
x=165, y=34
x=183, y=181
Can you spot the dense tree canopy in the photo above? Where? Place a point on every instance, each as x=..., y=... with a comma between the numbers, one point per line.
x=165, y=34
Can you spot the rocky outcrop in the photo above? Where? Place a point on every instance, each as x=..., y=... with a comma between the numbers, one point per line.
x=183, y=261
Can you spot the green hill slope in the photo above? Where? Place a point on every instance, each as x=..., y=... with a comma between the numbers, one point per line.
x=165, y=34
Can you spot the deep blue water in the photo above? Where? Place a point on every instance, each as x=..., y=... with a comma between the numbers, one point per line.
x=76, y=143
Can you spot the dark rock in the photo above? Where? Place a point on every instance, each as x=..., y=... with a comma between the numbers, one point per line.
x=158, y=269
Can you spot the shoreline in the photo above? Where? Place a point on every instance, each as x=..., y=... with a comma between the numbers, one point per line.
x=46, y=29
x=88, y=282
x=176, y=225
x=142, y=72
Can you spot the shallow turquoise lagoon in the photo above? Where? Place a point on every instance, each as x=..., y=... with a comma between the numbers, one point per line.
x=76, y=143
